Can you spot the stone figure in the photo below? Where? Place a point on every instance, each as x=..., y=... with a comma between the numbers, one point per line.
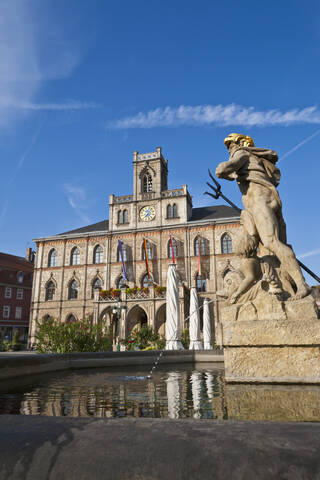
x=256, y=173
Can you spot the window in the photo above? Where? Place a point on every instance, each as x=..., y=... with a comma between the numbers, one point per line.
x=53, y=258
x=98, y=254
x=199, y=242
x=71, y=318
x=18, y=313
x=169, y=211
x=8, y=292
x=19, y=294
x=175, y=248
x=121, y=283
x=201, y=284
x=125, y=216
x=174, y=211
x=149, y=251
x=73, y=290
x=75, y=256
x=120, y=216
x=97, y=285
x=20, y=277
x=226, y=244
x=146, y=281
x=6, y=311
x=50, y=290
x=124, y=253
x=147, y=183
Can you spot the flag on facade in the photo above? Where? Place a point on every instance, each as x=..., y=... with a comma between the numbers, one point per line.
x=146, y=256
x=172, y=251
x=122, y=260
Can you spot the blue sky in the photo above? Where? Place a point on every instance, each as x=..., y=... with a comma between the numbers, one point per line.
x=84, y=83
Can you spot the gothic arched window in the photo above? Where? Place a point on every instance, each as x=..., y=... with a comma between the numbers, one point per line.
x=199, y=243
x=121, y=282
x=120, y=216
x=175, y=248
x=124, y=253
x=75, y=256
x=146, y=280
x=125, y=216
x=50, y=290
x=96, y=285
x=169, y=211
x=174, y=211
x=53, y=258
x=71, y=318
x=201, y=284
x=98, y=254
x=149, y=251
x=147, y=183
x=73, y=290
x=226, y=243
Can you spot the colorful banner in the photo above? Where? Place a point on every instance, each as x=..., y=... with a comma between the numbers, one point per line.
x=123, y=264
x=146, y=256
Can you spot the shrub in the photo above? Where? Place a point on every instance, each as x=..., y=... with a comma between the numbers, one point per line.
x=143, y=338
x=80, y=336
x=185, y=338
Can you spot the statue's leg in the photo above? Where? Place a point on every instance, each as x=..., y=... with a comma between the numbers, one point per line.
x=247, y=221
x=267, y=225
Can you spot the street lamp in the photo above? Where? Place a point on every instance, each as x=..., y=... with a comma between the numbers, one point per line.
x=117, y=310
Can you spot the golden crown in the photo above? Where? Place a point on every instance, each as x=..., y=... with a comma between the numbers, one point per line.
x=243, y=140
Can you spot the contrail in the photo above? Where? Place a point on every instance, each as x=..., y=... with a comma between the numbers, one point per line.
x=26, y=153
x=306, y=140
x=22, y=159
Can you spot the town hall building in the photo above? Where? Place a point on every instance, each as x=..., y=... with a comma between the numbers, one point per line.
x=78, y=273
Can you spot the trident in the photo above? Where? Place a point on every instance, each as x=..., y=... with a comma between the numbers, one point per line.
x=218, y=193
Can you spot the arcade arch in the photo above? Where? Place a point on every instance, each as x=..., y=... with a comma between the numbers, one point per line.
x=136, y=317
x=160, y=320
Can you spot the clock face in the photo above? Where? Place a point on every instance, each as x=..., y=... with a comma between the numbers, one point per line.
x=147, y=213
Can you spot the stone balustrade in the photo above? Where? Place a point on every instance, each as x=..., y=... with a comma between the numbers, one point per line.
x=123, y=199
x=178, y=192
x=148, y=195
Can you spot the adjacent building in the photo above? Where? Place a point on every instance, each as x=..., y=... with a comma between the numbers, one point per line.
x=15, y=294
x=72, y=268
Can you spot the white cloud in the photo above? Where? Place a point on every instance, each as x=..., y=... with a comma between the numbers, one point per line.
x=70, y=105
x=77, y=198
x=217, y=115
x=311, y=253
x=32, y=52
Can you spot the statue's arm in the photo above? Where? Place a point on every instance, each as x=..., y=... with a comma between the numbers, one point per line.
x=227, y=170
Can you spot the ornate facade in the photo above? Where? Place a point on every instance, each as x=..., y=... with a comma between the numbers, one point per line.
x=71, y=267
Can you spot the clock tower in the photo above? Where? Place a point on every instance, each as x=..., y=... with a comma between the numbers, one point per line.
x=152, y=204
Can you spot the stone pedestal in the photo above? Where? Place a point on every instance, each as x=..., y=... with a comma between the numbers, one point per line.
x=283, y=349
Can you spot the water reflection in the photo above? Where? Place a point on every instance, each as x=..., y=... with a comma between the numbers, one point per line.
x=196, y=378
x=172, y=392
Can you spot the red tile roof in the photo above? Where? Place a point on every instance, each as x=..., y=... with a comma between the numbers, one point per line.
x=12, y=262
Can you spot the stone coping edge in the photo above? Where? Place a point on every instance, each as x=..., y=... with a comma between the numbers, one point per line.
x=38, y=447
x=274, y=380
x=12, y=366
